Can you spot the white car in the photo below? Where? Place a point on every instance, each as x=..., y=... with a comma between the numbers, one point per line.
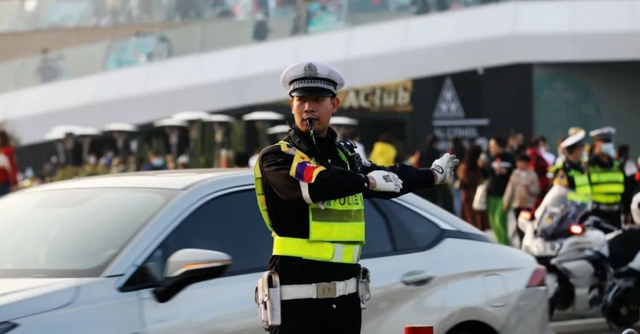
x=145, y=253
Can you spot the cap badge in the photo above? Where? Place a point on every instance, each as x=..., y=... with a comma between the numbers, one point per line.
x=310, y=70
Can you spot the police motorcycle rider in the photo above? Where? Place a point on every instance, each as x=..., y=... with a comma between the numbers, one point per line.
x=557, y=166
x=567, y=265
x=606, y=177
x=310, y=190
x=571, y=172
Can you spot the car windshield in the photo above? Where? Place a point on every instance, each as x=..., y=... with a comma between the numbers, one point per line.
x=71, y=232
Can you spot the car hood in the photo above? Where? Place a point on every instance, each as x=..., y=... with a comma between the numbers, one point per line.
x=28, y=296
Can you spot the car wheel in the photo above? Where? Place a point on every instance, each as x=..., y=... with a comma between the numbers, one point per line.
x=473, y=331
x=472, y=327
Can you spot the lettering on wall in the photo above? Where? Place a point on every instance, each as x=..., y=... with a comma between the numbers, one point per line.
x=394, y=96
x=449, y=119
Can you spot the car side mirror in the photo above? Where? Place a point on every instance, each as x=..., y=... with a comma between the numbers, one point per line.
x=189, y=266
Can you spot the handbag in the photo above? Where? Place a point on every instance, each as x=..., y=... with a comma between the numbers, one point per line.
x=480, y=198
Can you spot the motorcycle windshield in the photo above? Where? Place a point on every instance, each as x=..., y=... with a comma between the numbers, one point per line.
x=557, y=213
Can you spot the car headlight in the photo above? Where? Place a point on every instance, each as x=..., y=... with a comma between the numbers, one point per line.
x=6, y=327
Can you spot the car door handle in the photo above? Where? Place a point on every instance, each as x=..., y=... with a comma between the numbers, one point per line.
x=416, y=278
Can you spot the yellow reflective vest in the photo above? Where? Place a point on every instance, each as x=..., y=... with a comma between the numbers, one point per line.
x=607, y=184
x=582, y=191
x=336, y=227
x=574, y=179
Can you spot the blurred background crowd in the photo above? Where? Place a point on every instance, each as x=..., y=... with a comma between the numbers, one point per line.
x=92, y=87
x=497, y=178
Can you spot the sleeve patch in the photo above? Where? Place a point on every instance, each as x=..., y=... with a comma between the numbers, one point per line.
x=303, y=169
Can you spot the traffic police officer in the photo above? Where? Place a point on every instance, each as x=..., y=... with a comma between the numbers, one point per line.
x=310, y=190
x=606, y=177
x=557, y=166
x=572, y=173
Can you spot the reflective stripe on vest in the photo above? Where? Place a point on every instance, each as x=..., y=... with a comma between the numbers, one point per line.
x=317, y=250
x=606, y=199
x=608, y=188
x=579, y=198
x=340, y=220
x=607, y=185
x=582, y=192
x=607, y=177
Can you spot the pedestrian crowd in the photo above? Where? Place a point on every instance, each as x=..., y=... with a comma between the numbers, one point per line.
x=496, y=180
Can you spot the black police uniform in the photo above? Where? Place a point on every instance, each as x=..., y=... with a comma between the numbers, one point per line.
x=289, y=215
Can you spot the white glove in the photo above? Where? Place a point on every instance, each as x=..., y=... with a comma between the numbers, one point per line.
x=443, y=167
x=386, y=181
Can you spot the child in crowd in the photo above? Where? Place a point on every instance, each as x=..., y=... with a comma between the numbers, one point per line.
x=522, y=188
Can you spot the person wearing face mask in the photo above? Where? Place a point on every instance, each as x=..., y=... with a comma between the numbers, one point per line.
x=155, y=162
x=310, y=190
x=606, y=177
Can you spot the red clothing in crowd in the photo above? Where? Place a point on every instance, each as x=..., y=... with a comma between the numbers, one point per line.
x=9, y=175
x=541, y=167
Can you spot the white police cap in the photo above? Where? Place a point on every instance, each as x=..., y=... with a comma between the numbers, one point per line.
x=605, y=133
x=573, y=139
x=575, y=129
x=312, y=78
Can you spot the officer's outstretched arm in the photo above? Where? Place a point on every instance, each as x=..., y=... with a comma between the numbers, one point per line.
x=296, y=179
x=412, y=179
x=415, y=178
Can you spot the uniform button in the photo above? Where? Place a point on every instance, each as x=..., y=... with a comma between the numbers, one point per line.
x=329, y=160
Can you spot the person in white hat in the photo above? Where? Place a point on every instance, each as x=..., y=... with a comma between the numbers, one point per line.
x=606, y=177
x=310, y=189
x=572, y=173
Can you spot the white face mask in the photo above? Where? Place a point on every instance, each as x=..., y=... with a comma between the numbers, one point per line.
x=608, y=149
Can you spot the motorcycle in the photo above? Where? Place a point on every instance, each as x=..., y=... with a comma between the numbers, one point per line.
x=622, y=301
x=572, y=246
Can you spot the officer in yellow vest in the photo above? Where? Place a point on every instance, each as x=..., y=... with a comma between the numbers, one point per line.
x=557, y=166
x=606, y=177
x=310, y=190
x=572, y=173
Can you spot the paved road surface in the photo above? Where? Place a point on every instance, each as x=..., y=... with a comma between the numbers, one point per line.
x=583, y=326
